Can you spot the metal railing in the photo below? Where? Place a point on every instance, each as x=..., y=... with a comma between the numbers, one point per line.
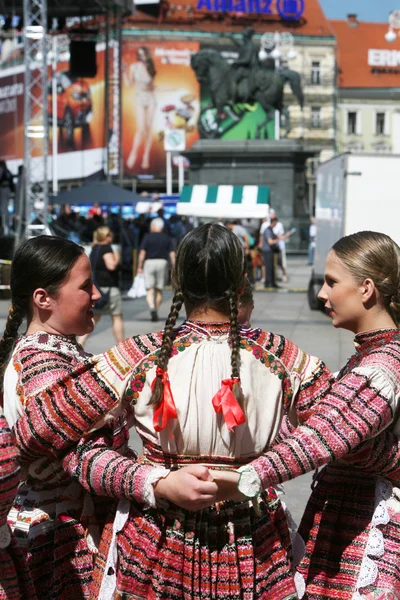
x=323, y=79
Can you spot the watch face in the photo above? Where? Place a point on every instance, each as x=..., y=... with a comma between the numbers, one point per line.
x=249, y=482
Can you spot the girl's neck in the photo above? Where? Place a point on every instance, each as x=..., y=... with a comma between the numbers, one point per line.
x=207, y=316
x=378, y=320
x=36, y=326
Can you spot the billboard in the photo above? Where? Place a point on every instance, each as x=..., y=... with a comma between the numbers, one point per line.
x=159, y=92
x=80, y=118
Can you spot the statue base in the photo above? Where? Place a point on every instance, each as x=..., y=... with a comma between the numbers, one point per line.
x=280, y=165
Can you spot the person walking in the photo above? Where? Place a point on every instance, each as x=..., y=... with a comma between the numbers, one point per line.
x=270, y=249
x=312, y=236
x=7, y=188
x=156, y=251
x=105, y=265
x=279, y=231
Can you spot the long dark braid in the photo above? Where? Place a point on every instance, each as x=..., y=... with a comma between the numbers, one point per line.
x=15, y=317
x=166, y=346
x=209, y=270
x=235, y=343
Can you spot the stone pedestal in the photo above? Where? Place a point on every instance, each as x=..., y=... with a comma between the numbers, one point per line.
x=280, y=165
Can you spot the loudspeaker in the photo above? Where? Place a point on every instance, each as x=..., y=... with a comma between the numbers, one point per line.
x=82, y=62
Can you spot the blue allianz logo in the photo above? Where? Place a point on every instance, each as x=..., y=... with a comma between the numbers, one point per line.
x=290, y=10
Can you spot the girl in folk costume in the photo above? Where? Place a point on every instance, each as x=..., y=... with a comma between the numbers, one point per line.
x=53, y=517
x=206, y=395
x=15, y=579
x=351, y=526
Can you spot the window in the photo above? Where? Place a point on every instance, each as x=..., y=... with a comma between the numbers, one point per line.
x=352, y=123
x=380, y=123
x=315, y=72
x=315, y=117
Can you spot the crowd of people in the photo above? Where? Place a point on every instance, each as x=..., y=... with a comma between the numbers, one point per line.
x=225, y=411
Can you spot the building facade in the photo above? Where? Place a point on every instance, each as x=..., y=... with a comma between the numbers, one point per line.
x=368, y=118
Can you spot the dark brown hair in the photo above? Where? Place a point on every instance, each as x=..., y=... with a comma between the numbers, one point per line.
x=41, y=262
x=148, y=61
x=209, y=271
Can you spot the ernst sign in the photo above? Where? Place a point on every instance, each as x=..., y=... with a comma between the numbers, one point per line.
x=290, y=10
x=383, y=58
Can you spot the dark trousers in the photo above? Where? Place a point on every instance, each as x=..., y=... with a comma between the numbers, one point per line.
x=269, y=264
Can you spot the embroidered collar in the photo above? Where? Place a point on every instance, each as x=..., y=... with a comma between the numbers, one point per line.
x=376, y=337
x=53, y=341
x=217, y=329
x=208, y=329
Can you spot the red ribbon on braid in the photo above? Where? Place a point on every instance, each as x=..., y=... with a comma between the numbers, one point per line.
x=224, y=401
x=166, y=410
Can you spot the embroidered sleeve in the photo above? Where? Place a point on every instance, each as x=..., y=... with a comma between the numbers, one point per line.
x=379, y=456
x=356, y=408
x=9, y=478
x=85, y=399
x=105, y=472
x=38, y=370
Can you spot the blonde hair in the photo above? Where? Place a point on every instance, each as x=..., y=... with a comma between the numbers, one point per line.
x=373, y=255
x=100, y=234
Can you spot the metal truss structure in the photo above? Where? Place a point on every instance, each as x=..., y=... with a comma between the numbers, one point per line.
x=35, y=117
x=36, y=96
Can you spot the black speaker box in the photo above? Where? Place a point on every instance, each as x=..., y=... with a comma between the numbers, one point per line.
x=82, y=62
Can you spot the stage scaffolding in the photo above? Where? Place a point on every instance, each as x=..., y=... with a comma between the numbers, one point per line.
x=36, y=47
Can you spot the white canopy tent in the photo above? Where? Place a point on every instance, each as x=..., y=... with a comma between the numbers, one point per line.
x=224, y=201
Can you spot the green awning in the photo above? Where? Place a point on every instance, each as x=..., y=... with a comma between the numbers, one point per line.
x=226, y=201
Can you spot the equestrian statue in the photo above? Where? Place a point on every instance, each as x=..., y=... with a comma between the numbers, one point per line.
x=247, y=80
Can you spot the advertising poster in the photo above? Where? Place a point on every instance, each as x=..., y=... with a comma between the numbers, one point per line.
x=159, y=91
x=11, y=113
x=80, y=118
x=239, y=120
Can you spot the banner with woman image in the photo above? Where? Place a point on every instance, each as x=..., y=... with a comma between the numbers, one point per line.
x=159, y=91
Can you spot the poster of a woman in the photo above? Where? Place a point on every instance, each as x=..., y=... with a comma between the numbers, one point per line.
x=159, y=91
x=142, y=74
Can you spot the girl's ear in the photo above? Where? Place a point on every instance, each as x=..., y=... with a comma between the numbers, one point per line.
x=41, y=299
x=368, y=289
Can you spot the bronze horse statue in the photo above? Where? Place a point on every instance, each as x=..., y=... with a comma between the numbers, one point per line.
x=263, y=84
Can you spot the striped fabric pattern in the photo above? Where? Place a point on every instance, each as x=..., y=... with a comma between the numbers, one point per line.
x=350, y=494
x=228, y=551
x=249, y=201
x=15, y=580
x=358, y=406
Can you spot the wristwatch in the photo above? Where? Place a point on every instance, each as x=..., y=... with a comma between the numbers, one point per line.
x=249, y=483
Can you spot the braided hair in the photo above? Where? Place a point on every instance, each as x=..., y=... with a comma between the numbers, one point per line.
x=41, y=262
x=208, y=273
x=373, y=255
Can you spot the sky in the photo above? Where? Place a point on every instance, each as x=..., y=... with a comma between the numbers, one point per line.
x=367, y=10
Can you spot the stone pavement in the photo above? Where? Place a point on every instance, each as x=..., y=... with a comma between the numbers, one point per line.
x=280, y=311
